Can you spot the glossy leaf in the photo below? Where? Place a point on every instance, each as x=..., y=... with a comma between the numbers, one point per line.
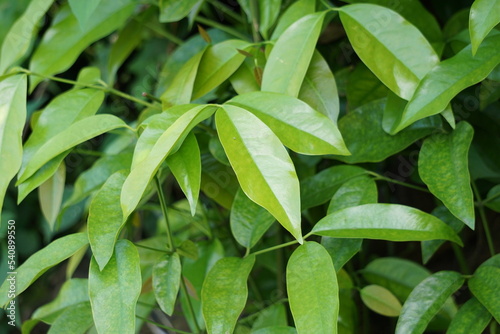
x=295, y=12
x=313, y=292
x=443, y=166
x=105, y=219
x=471, y=318
x=168, y=142
x=76, y=319
x=248, y=220
x=119, y=283
x=264, y=169
x=296, y=124
x=426, y=300
x=485, y=286
x=448, y=78
x=64, y=41
x=17, y=41
x=225, y=292
x=484, y=16
x=83, y=10
x=384, y=221
x=50, y=195
x=41, y=261
x=374, y=32
x=166, y=281
x=173, y=10
x=293, y=50
x=268, y=13
x=218, y=63
x=13, y=107
x=380, y=300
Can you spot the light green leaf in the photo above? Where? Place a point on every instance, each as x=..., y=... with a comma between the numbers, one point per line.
x=248, y=220
x=185, y=164
x=73, y=135
x=426, y=300
x=384, y=221
x=50, y=195
x=13, y=110
x=119, y=283
x=319, y=89
x=175, y=10
x=218, y=63
x=375, y=34
x=84, y=10
x=448, y=78
x=268, y=13
x=76, y=319
x=263, y=167
x=443, y=166
x=273, y=315
x=225, y=293
x=105, y=219
x=293, y=50
x=484, y=16
x=485, y=286
x=276, y=330
x=64, y=41
x=295, y=12
x=243, y=80
x=169, y=141
x=296, y=124
x=313, y=292
x=166, y=281
x=380, y=300
x=41, y=261
x=17, y=41
x=218, y=181
x=471, y=318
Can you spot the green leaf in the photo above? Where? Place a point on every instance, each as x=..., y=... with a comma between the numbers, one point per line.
x=218, y=181
x=73, y=135
x=83, y=11
x=225, y=292
x=261, y=163
x=471, y=318
x=268, y=13
x=276, y=330
x=313, y=292
x=105, y=219
x=218, y=63
x=375, y=34
x=484, y=16
x=426, y=300
x=217, y=151
x=17, y=41
x=50, y=195
x=119, y=283
x=13, y=106
x=185, y=164
x=391, y=222
x=166, y=281
x=363, y=87
x=244, y=80
x=485, y=286
x=448, y=78
x=493, y=198
x=274, y=315
x=296, y=124
x=320, y=188
x=76, y=319
x=319, y=89
x=380, y=300
x=295, y=12
x=41, y=261
x=443, y=166
x=169, y=141
x=248, y=220
x=293, y=50
x=64, y=41
x=174, y=10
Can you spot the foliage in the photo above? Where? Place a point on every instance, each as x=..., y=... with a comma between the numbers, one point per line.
x=250, y=166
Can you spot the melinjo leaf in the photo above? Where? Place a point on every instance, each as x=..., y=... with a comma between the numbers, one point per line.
x=166, y=281
x=484, y=16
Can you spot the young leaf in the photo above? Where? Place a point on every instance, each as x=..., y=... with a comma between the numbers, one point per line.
x=119, y=283
x=76, y=319
x=293, y=50
x=50, y=195
x=443, y=166
x=264, y=169
x=448, y=78
x=105, y=219
x=173, y=10
x=224, y=293
x=295, y=12
x=485, y=286
x=312, y=288
x=384, y=221
x=166, y=281
x=426, y=300
x=248, y=220
x=83, y=11
x=484, y=16
x=38, y=263
x=375, y=34
x=13, y=106
x=380, y=300
x=296, y=124
x=471, y=318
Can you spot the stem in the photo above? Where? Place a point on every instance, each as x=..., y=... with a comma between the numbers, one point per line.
x=286, y=244
x=153, y=249
x=484, y=220
x=401, y=183
x=222, y=27
x=190, y=305
x=461, y=259
x=162, y=326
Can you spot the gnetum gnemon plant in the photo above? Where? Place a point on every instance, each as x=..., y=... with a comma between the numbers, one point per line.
x=222, y=166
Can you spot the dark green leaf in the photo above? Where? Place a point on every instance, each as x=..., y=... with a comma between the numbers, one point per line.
x=218, y=181
x=274, y=315
x=174, y=10
x=363, y=87
x=166, y=281
x=485, y=286
x=471, y=318
x=276, y=330
x=493, y=198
